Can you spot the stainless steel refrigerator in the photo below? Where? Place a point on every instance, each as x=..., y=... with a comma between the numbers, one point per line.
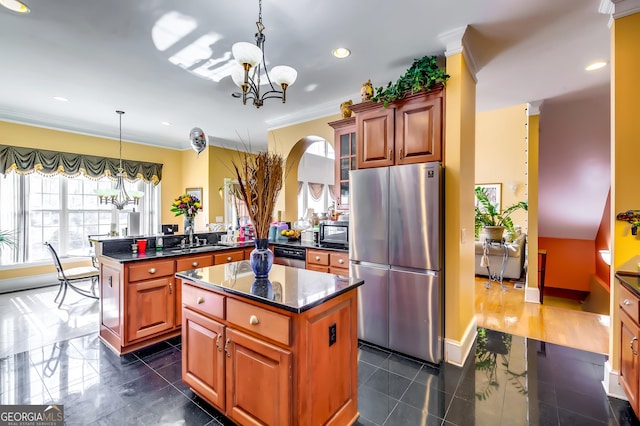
x=396, y=246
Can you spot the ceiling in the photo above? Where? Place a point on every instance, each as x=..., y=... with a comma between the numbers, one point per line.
x=108, y=55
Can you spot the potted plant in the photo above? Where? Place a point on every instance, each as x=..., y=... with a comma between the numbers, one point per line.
x=489, y=217
x=7, y=239
x=423, y=74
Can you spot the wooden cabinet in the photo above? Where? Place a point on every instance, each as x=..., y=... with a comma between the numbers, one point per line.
x=261, y=365
x=141, y=301
x=333, y=262
x=255, y=364
x=408, y=131
x=151, y=308
x=228, y=256
x=184, y=264
x=629, y=376
x=150, y=285
x=344, y=141
x=202, y=356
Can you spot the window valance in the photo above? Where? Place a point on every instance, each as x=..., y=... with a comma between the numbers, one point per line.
x=27, y=160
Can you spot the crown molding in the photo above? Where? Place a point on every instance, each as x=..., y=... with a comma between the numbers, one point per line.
x=455, y=42
x=619, y=8
x=318, y=111
x=534, y=107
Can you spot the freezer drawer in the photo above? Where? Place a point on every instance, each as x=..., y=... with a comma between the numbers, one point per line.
x=373, y=302
x=415, y=315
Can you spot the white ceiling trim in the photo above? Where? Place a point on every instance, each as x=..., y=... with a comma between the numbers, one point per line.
x=625, y=8
x=456, y=42
x=308, y=114
x=534, y=107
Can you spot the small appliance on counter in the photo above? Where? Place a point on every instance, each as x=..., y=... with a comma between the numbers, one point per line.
x=334, y=234
x=168, y=229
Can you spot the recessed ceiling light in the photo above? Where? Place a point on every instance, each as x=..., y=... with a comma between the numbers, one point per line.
x=341, y=52
x=165, y=123
x=596, y=66
x=61, y=99
x=15, y=5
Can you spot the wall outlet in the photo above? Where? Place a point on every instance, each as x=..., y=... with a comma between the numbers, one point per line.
x=333, y=334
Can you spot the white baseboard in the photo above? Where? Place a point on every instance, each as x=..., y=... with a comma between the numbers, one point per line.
x=27, y=282
x=610, y=383
x=532, y=295
x=456, y=352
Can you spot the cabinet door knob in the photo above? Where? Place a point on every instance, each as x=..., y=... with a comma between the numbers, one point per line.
x=317, y=257
x=218, y=343
x=254, y=320
x=200, y=300
x=195, y=264
x=626, y=302
x=152, y=270
x=226, y=346
x=229, y=259
x=631, y=345
x=170, y=288
x=341, y=261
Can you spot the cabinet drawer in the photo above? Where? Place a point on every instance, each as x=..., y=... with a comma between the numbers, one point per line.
x=317, y=257
x=229, y=256
x=629, y=303
x=339, y=260
x=339, y=271
x=266, y=323
x=193, y=262
x=145, y=270
x=204, y=301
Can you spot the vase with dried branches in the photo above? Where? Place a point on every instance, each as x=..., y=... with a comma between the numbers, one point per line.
x=260, y=179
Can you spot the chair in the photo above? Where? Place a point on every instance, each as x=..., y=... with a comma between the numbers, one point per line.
x=72, y=275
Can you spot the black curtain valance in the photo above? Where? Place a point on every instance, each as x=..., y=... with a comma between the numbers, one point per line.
x=27, y=160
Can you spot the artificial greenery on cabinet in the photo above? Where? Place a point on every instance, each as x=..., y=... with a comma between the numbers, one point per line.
x=423, y=74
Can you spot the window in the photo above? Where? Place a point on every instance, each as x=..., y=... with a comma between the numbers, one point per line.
x=64, y=211
x=316, y=174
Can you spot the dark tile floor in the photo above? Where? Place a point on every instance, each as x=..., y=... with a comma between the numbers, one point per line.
x=510, y=381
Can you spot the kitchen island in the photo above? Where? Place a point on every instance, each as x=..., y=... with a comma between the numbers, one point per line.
x=140, y=298
x=281, y=350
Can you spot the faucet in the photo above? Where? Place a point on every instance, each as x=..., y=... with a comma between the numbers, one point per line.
x=190, y=231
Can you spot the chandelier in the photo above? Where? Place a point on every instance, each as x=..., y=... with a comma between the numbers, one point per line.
x=118, y=196
x=252, y=56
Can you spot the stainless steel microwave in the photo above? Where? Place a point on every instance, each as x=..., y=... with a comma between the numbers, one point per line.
x=334, y=234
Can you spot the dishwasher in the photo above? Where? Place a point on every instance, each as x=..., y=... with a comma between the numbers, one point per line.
x=290, y=256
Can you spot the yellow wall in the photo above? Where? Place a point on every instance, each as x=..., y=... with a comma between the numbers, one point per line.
x=459, y=200
x=501, y=137
x=625, y=128
x=283, y=141
x=220, y=167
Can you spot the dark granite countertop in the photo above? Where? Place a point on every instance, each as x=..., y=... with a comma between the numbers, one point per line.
x=123, y=254
x=293, y=289
x=629, y=274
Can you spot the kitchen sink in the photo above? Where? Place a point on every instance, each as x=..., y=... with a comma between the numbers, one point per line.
x=197, y=249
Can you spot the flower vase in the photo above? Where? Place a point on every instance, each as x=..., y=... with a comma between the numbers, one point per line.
x=261, y=258
x=189, y=221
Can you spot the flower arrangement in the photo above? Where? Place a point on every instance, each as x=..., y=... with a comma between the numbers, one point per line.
x=185, y=204
x=260, y=178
